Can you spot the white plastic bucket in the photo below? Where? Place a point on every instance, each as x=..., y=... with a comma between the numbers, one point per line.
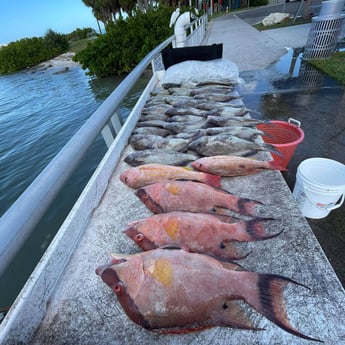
x=320, y=186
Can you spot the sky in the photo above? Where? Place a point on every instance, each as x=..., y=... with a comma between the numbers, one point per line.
x=29, y=18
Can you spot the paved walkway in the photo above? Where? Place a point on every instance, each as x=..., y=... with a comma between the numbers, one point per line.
x=249, y=48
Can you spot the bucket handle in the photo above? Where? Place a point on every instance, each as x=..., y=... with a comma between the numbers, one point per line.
x=294, y=122
x=329, y=208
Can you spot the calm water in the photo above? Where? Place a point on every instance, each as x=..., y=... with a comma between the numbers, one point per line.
x=39, y=112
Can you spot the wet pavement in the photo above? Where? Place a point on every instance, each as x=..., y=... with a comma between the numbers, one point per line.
x=289, y=87
x=317, y=101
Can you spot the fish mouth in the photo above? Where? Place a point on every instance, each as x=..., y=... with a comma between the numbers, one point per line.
x=148, y=201
x=139, y=238
x=114, y=261
x=100, y=269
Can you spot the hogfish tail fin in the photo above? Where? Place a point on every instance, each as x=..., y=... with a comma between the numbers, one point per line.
x=212, y=180
x=268, y=299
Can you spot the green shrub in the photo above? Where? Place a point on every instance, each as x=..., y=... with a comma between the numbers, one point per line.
x=126, y=42
x=29, y=52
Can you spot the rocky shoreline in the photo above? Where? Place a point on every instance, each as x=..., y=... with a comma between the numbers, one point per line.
x=62, y=63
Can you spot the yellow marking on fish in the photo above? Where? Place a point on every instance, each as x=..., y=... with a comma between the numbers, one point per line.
x=172, y=228
x=173, y=188
x=162, y=271
x=188, y=168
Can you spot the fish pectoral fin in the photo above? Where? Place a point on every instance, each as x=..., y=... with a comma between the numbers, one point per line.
x=232, y=314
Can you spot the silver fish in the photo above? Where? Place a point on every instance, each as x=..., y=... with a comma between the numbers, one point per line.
x=176, y=99
x=219, y=89
x=179, y=127
x=238, y=131
x=152, y=130
x=153, y=116
x=179, y=91
x=237, y=103
x=158, y=108
x=150, y=141
x=159, y=91
x=168, y=157
x=189, y=111
x=152, y=123
x=215, y=97
x=226, y=121
x=183, y=118
x=224, y=144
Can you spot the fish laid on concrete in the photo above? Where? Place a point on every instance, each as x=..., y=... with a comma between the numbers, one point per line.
x=169, y=157
x=238, y=131
x=224, y=144
x=233, y=165
x=225, y=121
x=215, y=97
x=150, y=141
x=174, y=291
x=162, y=132
x=214, y=89
x=196, y=232
x=189, y=111
x=162, y=197
x=144, y=175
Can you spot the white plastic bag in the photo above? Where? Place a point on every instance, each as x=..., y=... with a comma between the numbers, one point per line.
x=217, y=71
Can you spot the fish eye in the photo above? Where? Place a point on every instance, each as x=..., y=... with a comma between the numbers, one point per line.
x=118, y=287
x=139, y=237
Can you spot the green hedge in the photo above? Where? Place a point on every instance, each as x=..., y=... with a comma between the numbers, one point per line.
x=125, y=43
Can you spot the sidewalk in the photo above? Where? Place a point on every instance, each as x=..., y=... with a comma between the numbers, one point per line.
x=249, y=48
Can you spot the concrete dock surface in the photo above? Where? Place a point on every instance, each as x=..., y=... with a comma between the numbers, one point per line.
x=251, y=49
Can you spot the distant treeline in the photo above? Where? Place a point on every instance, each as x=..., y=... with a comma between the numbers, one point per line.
x=29, y=52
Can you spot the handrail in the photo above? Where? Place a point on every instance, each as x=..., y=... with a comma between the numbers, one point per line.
x=21, y=218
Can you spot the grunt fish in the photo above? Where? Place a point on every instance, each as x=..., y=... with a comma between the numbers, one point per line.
x=157, y=108
x=238, y=131
x=215, y=97
x=162, y=197
x=183, y=118
x=219, y=89
x=222, y=121
x=152, y=130
x=234, y=166
x=143, y=175
x=224, y=144
x=189, y=111
x=150, y=141
x=153, y=116
x=196, y=232
x=178, y=127
x=161, y=156
x=174, y=291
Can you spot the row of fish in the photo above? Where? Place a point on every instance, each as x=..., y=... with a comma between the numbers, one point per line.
x=184, y=280
x=188, y=122
x=165, y=288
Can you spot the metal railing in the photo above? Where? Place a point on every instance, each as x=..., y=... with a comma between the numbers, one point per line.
x=21, y=218
x=197, y=31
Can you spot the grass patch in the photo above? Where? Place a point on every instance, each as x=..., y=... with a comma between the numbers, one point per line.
x=333, y=66
x=78, y=46
x=285, y=23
